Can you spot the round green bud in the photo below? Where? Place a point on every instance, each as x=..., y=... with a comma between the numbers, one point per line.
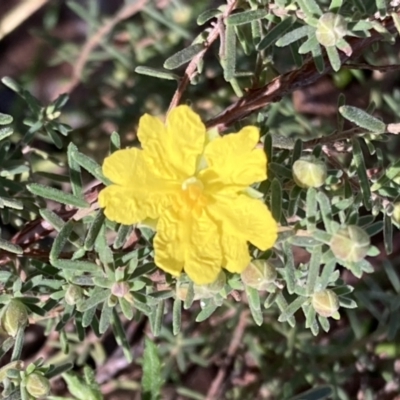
x=309, y=172
x=120, y=289
x=37, y=385
x=350, y=244
x=396, y=213
x=209, y=290
x=331, y=28
x=259, y=274
x=325, y=303
x=73, y=294
x=14, y=316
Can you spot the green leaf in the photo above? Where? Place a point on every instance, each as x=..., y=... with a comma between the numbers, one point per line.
x=151, y=379
x=89, y=165
x=11, y=84
x=246, y=17
x=206, y=312
x=61, y=240
x=358, y=158
x=313, y=270
x=228, y=59
x=292, y=308
x=6, y=132
x=120, y=336
x=80, y=389
x=10, y=247
x=311, y=209
x=5, y=119
x=275, y=33
x=74, y=171
x=254, y=304
x=183, y=56
x=276, y=199
x=290, y=269
x=294, y=35
x=176, y=316
x=94, y=230
x=105, y=317
x=362, y=119
x=388, y=234
x=156, y=73
x=77, y=266
x=57, y=195
x=334, y=57
x=207, y=15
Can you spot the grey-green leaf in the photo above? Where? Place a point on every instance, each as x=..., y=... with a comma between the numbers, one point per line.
x=151, y=379
x=246, y=17
x=362, y=119
x=183, y=56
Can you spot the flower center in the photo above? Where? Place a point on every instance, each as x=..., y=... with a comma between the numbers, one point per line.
x=193, y=194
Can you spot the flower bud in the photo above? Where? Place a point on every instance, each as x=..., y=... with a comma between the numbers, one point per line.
x=396, y=213
x=37, y=385
x=330, y=29
x=73, y=294
x=350, y=244
x=325, y=303
x=309, y=172
x=209, y=290
x=14, y=316
x=120, y=289
x=259, y=274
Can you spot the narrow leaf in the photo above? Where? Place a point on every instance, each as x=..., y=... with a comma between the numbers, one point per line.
x=156, y=73
x=362, y=119
x=246, y=17
x=275, y=33
x=183, y=56
x=57, y=195
x=151, y=379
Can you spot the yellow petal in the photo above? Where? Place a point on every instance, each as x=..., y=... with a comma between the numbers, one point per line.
x=203, y=257
x=123, y=166
x=236, y=253
x=169, y=251
x=235, y=159
x=137, y=193
x=173, y=150
x=245, y=218
x=183, y=241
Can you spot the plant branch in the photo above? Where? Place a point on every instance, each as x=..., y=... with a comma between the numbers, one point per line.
x=287, y=83
x=190, y=71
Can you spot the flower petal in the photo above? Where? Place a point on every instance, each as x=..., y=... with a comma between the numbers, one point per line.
x=137, y=193
x=169, y=251
x=245, y=218
x=235, y=159
x=173, y=150
x=235, y=252
x=183, y=241
x=203, y=257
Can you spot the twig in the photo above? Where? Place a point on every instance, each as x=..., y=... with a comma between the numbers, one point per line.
x=190, y=71
x=214, y=391
x=289, y=82
x=125, y=12
x=18, y=15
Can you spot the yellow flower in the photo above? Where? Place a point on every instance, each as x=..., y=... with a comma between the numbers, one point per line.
x=196, y=189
